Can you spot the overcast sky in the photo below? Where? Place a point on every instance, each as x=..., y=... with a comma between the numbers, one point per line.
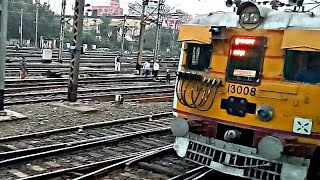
x=190, y=6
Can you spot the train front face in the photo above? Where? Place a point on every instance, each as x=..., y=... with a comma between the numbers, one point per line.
x=241, y=107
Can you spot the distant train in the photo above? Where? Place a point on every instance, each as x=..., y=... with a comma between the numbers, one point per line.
x=247, y=95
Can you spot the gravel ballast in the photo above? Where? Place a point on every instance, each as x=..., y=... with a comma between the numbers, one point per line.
x=44, y=116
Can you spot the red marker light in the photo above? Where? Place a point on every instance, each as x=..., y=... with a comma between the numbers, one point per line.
x=238, y=52
x=244, y=41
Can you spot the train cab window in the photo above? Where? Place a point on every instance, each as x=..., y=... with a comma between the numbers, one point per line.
x=302, y=66
x=246, y=59
x=198, y=56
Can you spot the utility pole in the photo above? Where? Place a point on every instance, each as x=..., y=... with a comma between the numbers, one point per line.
x=76, y=46
x=37, y=19
x=21, y=27
x=62, y=27
x=124, y=31
x=158, y=30
x=142, y=31
x=3, y=44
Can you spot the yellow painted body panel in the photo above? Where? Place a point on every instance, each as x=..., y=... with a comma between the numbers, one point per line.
x=195, y=34
x=288, y=99
x=301, y=39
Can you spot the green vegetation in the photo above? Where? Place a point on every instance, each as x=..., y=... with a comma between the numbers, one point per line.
x=168, y=41
x=48, y=22
x=49, y=27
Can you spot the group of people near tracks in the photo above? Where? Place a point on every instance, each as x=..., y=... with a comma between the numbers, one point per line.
x=146, y=68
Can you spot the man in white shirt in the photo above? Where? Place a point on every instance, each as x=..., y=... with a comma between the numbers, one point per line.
x=156, y=68
x=117, y=63
x=146, y=68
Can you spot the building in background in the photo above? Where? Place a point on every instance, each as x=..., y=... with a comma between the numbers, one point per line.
x=113, y=9
x=136, y=8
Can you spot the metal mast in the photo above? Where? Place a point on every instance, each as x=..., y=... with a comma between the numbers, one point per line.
x=124, y=31
x=62, y=27
x=37, y=19
x=76, y=46
x=158, y=30
x=21, y=27
x=142, y=31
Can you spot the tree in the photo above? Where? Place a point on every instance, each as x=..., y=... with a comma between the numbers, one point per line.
x=105, y=27
x=48, y=22
x=167, y=40
x=109, y=35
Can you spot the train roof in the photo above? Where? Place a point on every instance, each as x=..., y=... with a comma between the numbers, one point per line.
x=273, y=20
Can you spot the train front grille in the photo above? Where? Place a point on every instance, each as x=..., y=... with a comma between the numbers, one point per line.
x=248, y=167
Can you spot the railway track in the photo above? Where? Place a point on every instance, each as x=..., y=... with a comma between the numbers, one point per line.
x=156, y=164
x=83, y=71
x=131, y=148
x=42, y=84
x=90, y=155
x=99, y=93
x=104, y=143
x=26, y=144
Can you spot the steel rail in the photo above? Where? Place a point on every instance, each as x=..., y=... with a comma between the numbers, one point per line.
x=91, y=125
x=190, y=174
x=85, y=97
x=125, y=162
x=91, y=90
x=23, y=152
x=112, y=160
x=85, y=144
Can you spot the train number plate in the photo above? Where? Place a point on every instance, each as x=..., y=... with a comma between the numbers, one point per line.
x=239, y=89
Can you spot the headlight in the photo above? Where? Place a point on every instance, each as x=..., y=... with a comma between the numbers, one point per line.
x=250, y=18
x=245, y=17
x=254, y=17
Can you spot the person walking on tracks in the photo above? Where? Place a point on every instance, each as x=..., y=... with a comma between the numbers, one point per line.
x=17, y=47
x=117, y=63
x=23, y=68
x=168, y=76
x=146, y=68
x=156, y=68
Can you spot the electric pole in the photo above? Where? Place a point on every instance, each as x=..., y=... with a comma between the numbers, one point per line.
x=62, y=27
x=158, y=30
x=141, y=38
x=37, y=19
x=21, y=27
x=76, y=47
x=124, y=31
x=3, y=44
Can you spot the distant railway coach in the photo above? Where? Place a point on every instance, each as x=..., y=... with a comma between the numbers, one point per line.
x=248, y=92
